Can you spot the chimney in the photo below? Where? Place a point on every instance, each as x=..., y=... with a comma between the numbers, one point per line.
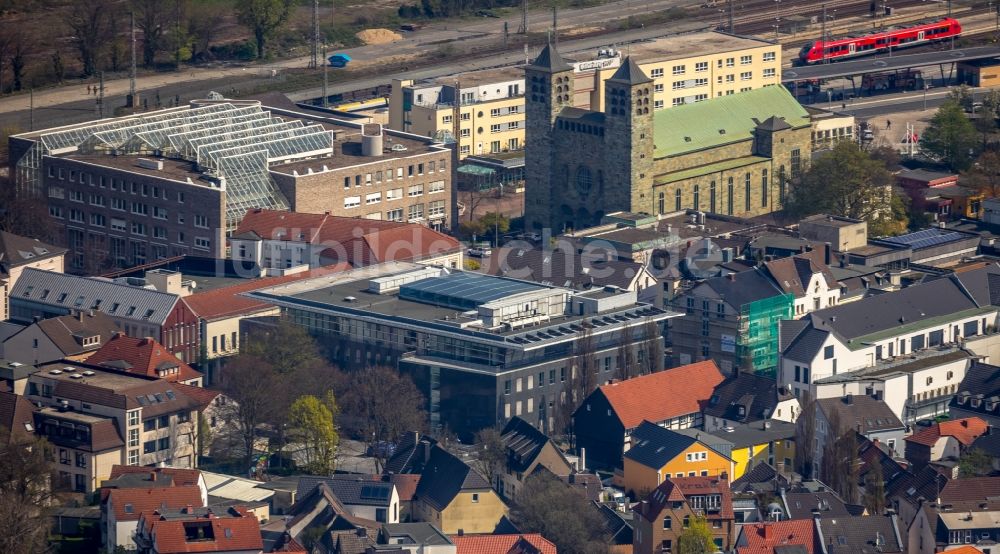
x=583, y=460
x=145, y=341
x=426, y=447
x=849, y=399
x=826, y=253
x=768, y=532
x=152, y=476
x=461, y=532
x=189, y=509
x=965, y=423
x=79, y=315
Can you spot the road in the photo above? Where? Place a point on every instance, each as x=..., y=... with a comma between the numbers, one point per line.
x=865, y=108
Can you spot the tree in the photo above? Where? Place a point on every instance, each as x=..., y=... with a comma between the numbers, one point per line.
x=845, y=182
x=22, y=214
x=975, y=463
x=653, y=345
x=263, y=18
x=561, y=514
x=286, y=346
x=383, y=405
x=494, y=223
x=203, y=22
x=874, y=498
x=805, y=436
x=840, y=459
x=580, y=382
x=491, y=454
x=985, y=173
x=697, y=538
x=26, y=489
x=18, y=61
x=950, y=136
x=205, y=435
x=313, y=422
x=151, y=19
x=90, y=24
x=251, y=383
x=624, y=358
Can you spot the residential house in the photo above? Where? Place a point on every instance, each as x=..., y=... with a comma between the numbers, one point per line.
x=873, y=534
x=16, y=415
x=320, y=518
x=812, y=498
x=946, y=440
x=784, y=537
x=908, y=492
x=18, y=253
x=368, y=498
x=989, y=444
x=951, y=525
x=86, y=446
x=411, y=453
x=417, y=538
x=842, y=233
x=454, y=497
x=748, y=398
x=526, y=449
x=666, y=512
x=144, y=356
x=658, y=453
x=281, y=240
x=121, y=511
x=522, y=543
x=617, y=529
x=761, y=442
x=156, y=420
x=807, y=277
x=605, y=420
x=857, y=335
x=138, y=311
x=719, y=314
x=74, y=337
x=192, y=529
x=867, y=416
x=137, y=477
x=978, y=394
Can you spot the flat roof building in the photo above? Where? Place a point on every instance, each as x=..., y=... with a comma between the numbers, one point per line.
x=481, y=348
x=176, y=181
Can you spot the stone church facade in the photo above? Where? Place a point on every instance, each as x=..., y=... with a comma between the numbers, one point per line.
x=732, y=155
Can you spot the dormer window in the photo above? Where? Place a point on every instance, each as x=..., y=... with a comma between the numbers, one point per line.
x=976, y=401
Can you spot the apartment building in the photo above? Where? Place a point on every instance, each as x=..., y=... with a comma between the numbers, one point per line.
x=668, y=510
x=135, y=309
x=482, y=348
x=153, y=418
x=490, y=103
x=128, y=190
x=17, y=253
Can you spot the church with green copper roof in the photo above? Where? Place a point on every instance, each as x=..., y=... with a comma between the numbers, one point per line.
x=732, y=155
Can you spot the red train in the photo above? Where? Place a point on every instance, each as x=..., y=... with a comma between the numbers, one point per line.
x=893, y=37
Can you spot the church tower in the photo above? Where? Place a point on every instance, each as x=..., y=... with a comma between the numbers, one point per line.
x=548, y=89
x=628, y=109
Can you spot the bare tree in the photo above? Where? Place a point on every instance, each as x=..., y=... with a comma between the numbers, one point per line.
x=383, y=405
x=251, y=383
x=491, y=454
x=580, y=382
x=90, y=24
x=840, y=459
x=20, y=214
x=151, y=19
x=626, y=368
x=203, y=22
x=653, y=346
x=874, y=498
x=805, y=436
x=263, y=18
x=18, y=60
x=562, y=514
x=26, y=489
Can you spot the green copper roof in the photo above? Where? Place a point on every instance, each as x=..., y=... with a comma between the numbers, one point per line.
x=722, y=120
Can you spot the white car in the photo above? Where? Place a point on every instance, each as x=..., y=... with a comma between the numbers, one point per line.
x=479, y=252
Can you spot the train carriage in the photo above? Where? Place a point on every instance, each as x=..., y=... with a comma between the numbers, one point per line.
x=891, y=38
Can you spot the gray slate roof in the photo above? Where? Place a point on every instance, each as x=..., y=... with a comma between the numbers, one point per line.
x=806, y=345
x=654, y=446
x=16, y=250
x=872, y=416
x=860, y=535
x=350, y=489
x=523, y=443
x=116, y=300
x=550, y=60
x=444, y=477
x=756, y=394
x=742, y=288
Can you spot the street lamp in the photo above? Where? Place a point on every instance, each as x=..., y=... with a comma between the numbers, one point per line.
x=925, y=96
x=777, y=18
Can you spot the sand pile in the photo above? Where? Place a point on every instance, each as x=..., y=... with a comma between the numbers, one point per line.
x=378, y=36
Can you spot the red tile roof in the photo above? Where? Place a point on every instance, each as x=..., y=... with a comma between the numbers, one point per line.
x=970, y=489
x=761, y=538
x=147, y=500
x=237, y=532
x=499, y=544
x=676, y=489
x=357, y=241
x=229, y=301
x=182, y=477
x=201, y=395
x=406, y=485
x=658, y=396
x=145, y=356
x=16, y=414
x=964, y=430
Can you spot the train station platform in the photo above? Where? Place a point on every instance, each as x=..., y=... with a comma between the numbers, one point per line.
x=885, y=62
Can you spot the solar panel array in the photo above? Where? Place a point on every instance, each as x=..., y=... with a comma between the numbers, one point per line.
x=464, y=291
x=925, y=238
x=378, y=493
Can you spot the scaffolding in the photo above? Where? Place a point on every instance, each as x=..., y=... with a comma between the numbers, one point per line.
x=757, y=344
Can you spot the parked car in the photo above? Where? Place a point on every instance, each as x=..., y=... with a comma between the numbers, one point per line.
x=480, y=251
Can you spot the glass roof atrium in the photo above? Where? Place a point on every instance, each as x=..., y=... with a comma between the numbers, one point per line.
x=231, y=145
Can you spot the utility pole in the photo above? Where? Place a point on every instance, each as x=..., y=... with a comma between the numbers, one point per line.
x=326, y=69
x=314, y=61
x=31, y=109
x=731, y=8
x=100, y=97
x=777, y=18
x=822, y=34
x=555, y=25
x=132, y=102
x=523, y=29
